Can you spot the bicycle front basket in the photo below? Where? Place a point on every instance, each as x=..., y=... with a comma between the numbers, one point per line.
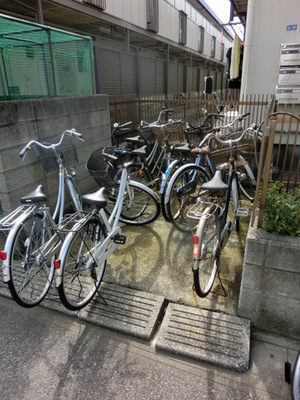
x=194, y=136
x=67, y=151
x=100, y=169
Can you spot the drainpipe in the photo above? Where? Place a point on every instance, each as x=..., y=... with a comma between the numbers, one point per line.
x=40, y=12
x=247, y=48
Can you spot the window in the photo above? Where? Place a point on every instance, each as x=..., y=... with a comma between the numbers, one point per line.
x=182, y=27
x=213, y=47
x=96, y=3
x=201, y=39
x=152, y=15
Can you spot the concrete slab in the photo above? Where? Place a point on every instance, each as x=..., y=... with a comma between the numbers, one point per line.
x=125, y=310
x=205, y=335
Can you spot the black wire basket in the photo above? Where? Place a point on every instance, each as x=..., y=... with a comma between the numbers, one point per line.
x=147, y=135
x=101, y=168
x=67, y=152
x=194, y=136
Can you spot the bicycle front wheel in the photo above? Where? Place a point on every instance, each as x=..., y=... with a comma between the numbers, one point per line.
x=183, y=192
x=31, y=270
x=81, y=271
x=206, y=252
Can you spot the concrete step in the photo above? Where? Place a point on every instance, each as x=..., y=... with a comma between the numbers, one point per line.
x=205, y=335
x=125, y=310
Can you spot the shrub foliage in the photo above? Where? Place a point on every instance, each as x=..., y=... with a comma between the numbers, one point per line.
x=282, y=210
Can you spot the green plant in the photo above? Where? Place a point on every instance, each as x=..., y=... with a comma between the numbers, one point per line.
x=282, y=210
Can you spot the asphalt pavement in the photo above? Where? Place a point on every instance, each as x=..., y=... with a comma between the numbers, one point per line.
x=48, y=353
x=45, y=354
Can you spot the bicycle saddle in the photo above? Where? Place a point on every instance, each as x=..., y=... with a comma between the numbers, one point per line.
x=216, y=183
x=36, y=196
x=97, y=198
x=139, y=152
x=181, y=149
x=202, y=150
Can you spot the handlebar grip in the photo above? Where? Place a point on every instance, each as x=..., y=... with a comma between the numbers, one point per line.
x=23, y=152
x=125, y=125
x=242, y=116
x=169, y=110
x=77, y=134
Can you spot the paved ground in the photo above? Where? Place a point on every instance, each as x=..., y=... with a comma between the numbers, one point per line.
x=158, y=259
x=46, y=354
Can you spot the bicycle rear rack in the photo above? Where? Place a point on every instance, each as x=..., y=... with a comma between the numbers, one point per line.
x=197, y=210
x=16, y=217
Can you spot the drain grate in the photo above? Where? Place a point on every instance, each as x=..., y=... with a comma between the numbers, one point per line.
x=126, y=310
x=205, y=335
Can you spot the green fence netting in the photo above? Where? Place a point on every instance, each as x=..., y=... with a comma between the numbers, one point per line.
x=38, y=61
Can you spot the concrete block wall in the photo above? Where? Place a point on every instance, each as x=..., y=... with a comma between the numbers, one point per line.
x=22, y=121
x=270, y=287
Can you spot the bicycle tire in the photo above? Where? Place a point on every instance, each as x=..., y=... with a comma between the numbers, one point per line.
x=235, y=202
x=139, y=173
x=248, y=182
x=171, y=172
x=143, y=208
x=81, y=273
x=182, y=192
x=31, y=271
x=295, y=382
x=140, y=204
x=205, y=260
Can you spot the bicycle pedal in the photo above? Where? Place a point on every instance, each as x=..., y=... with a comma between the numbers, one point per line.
x=242, y=212
x=119, y=239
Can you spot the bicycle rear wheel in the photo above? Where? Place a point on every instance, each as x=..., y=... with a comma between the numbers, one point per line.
x=182, y=192
x=31, y=268
x=140, y=204
x=206, y=252
x=81, y=271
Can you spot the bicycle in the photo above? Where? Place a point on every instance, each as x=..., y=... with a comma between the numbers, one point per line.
x=31, y=244
x=138, y=170
x=82, y=258
x=215, y=224
x=185, y=184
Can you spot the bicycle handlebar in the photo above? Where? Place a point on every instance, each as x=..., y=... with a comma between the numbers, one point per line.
x=121, y=126
x=70, y=132
x=239, y=118
x=229, y=142
x=161, y=126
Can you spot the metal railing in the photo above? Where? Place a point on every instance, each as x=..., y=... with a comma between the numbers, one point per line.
x=190, y=107
x=279, y=153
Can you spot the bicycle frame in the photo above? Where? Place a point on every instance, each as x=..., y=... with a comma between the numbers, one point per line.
x=9, y=222
x=108, y=245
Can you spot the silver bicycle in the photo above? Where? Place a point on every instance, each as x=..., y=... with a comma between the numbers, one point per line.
x=82, y=258
x=32, y=238
x=217, y=210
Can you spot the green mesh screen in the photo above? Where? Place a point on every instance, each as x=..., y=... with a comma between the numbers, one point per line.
x=38, y=61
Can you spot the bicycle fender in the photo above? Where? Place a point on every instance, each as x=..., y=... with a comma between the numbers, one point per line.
x=6, y=264
x=145, y=188
x=174, y=176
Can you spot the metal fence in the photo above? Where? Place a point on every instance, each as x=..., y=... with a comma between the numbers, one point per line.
x=190, y=107
x=280, y=147
x=280, y=152
x=38, y=61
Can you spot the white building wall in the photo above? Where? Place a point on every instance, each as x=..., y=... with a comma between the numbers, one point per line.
x=267, y=22
x=135, y=11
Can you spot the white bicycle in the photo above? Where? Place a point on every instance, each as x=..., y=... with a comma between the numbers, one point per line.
x=82, y=258
x=32, y=239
